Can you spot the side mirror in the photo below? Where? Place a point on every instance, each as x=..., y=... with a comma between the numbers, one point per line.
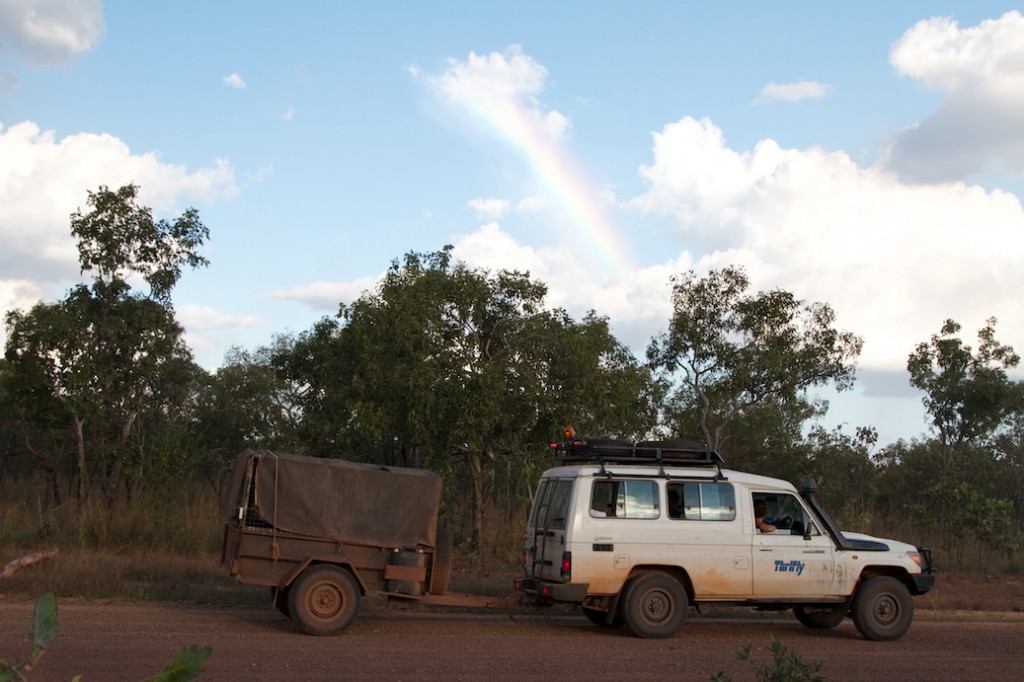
x=809, y=530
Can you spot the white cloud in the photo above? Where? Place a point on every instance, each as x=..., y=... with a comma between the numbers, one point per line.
x=288, y=115
x=205, y=327
x=792, y=92
x=18, y=294
x=979, y=126
x=203, y=318
x=327, y=296
x=50, y=32
x=43, y=180
x=234, y=81
x=636, y=303
x=894, y=260
x=489, y=209
x=530, y=204
x=499, y=88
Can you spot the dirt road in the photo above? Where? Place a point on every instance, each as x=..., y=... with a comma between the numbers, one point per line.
x=112, y=642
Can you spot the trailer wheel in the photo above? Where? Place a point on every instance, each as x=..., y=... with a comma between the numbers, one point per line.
x=655, y=605
x=821, y=617
x=441, y=570
x=882, y=609
x=324, y=599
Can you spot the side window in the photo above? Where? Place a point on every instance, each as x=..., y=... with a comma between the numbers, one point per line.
x=702, y=501
x=625, y=499
x=784, y=512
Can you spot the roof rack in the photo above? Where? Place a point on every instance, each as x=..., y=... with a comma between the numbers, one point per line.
x=657, y=452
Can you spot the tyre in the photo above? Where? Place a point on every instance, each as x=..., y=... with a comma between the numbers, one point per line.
x=441, y=569
x=882, y=608
x=280, y=597
x=654, y=605
x=324, y=599
x=598, y=617
x=821, y=617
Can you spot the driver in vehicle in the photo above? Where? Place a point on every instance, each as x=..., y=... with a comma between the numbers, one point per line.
x=760, y=511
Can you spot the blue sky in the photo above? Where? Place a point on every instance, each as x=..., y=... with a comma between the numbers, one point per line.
x=869, y=155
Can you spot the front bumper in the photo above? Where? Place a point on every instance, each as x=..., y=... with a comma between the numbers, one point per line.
x=922, y=582
x=925, y=580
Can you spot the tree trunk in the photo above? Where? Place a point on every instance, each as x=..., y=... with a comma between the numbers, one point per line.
x=83, y=483
x=114, y=480
x=51, y=470
x=474, y=458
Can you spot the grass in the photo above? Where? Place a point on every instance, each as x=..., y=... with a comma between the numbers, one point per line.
x=166, y=547
x=156, y=546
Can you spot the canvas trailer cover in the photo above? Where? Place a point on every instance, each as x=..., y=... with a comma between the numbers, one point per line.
x=337, y=499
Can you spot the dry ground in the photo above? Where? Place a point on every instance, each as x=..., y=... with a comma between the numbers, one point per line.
x=968, y=628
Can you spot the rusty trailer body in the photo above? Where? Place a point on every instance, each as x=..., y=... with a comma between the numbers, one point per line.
x=322, y=533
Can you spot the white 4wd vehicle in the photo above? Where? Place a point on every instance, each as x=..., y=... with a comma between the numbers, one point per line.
x=637, y=533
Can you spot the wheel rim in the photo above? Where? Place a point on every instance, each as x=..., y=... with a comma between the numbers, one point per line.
x=657, y=607
x=325, y=601
x=886, y=609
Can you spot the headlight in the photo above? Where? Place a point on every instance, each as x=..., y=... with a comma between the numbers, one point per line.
x=916, y=558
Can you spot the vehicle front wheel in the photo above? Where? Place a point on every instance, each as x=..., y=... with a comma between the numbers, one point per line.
x=821, y=617
x=655, y=605
x=324, y=599
x=882, y=608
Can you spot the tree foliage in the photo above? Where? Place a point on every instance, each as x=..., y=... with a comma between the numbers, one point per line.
x=442, y=360
x=102, y=356
x=968, y=394
x=468, y=372
x=118, y=238
x=729, y=351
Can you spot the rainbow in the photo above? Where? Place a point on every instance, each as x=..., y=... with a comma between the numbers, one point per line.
x=563, y=182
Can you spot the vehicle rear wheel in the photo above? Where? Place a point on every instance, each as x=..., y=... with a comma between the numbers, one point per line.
x=821, y=617
x=882, y=608
x=654, y=605
x=598, y=617
x=324, y=599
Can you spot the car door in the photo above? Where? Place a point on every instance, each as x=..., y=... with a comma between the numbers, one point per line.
x=796, y=559
x=546, y=529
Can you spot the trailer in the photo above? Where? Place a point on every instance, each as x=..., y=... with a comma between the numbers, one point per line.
x=323, y=533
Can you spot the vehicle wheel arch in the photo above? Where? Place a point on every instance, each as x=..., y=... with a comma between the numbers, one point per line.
x=677, y=572
x=869, y=572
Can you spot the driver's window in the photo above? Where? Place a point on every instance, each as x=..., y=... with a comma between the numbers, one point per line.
x=781, y=514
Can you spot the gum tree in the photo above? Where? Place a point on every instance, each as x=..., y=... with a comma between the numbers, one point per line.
x=100, y=353
x=728, y=351
x=967, y=393
x=461, y=366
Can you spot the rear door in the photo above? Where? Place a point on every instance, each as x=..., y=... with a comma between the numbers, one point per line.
x=545, y=534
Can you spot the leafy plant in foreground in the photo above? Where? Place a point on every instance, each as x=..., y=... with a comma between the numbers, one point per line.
x=187, y=665
x=785, y=666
